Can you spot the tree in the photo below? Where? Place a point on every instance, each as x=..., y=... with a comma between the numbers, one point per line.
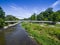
x=49, y=10
x=46, y=15
x=58, y=15
x=40, y=16
x=2, y=17
x=2, y=13
x=11, y=18
x=58, y=11
x=1, y=22
x=55, y=17
x=33, y=17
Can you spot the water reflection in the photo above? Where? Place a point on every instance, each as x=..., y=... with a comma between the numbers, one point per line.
x=2, y=37
x=9, y=30
x=3, y=33
x=17, y=36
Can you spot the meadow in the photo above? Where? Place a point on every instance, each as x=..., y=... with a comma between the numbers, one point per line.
x=44, y=35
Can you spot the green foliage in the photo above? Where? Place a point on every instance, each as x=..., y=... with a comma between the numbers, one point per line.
x=33, y=17
x=40, y=16
x=1, y=22
x=43, y=35
x=10, y=18
x=2, y=13
x=55, y=17
x=2, y=17
x=47, y=15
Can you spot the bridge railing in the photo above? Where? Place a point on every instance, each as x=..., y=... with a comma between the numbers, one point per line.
x=30, y=21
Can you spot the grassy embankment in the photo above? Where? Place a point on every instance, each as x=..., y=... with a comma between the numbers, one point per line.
x=44, y=35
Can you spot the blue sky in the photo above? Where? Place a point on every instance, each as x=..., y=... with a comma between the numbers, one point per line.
x=25, y=8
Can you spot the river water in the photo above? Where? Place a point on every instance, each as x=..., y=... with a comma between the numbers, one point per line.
x=16, y=35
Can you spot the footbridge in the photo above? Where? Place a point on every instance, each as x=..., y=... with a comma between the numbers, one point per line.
x=29, y=21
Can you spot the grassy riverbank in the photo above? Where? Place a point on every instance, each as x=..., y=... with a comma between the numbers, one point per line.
x=43, y=34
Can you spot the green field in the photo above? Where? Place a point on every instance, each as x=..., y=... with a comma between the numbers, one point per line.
x=44, y=35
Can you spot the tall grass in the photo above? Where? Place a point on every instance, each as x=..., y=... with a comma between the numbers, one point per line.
x=43, y=35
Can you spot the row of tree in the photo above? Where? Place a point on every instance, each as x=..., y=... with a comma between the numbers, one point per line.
x=10, y=18
x=4, y=18
x=47, y=15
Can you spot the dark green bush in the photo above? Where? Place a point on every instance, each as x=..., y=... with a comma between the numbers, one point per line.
x=1, y=22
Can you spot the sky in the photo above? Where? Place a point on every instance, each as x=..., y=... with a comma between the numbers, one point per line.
x=25, y=8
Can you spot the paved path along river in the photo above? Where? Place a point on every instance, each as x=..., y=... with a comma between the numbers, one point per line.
x=19, y=37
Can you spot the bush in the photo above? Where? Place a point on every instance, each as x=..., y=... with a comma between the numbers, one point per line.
x=1, y=22
x=5, y=24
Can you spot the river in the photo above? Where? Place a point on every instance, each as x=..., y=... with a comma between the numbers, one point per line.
x=18, y=36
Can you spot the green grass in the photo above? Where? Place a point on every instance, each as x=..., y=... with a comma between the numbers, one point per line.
x=58, y=25
x=43, y=35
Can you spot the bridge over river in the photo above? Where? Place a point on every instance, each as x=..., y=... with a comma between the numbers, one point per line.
x=30, y=21
x=18, y=36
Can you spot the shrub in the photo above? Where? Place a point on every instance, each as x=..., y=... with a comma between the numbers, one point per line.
x=1, y=22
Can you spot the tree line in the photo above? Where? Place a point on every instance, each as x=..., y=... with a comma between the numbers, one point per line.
x=4, y=18
x=47, y=15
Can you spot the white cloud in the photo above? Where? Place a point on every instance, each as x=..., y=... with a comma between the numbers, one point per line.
x=19, y=12
x=55, y=4
x=22, y=12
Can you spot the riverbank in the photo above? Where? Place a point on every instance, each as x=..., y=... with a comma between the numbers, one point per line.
x=10, y=25
x=18, y=36
x=2, y=33
x=44, y=35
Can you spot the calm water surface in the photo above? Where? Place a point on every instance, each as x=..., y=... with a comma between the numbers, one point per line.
x=17, y=36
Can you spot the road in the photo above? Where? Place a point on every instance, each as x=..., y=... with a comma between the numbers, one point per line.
x=19, y=37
